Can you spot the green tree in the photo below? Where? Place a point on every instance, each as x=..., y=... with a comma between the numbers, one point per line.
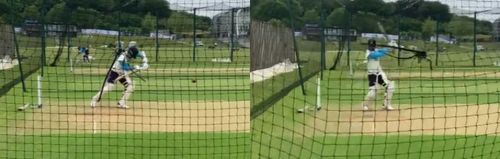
x=337, y=18
x=4, y=8
x=131, y=20
x=311, y=17
x=158, y=8
x=148, y=23
x=84, y=17
x=270, y=9
x=283, y=10
x=484, y=27
x=364, y=22
x=180, y=22
x=56, y=13
x=461, y=26
x=435, y=10
x=410, y=24
x=31, y=12
x=372, y=6
x=428, y=28
x=103, y=5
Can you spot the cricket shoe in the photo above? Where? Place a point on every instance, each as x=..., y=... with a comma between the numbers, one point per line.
x=93, y=103
x=122, y=105
x=365, y=108
x=388, y=108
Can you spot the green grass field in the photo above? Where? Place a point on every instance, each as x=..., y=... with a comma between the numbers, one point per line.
x=62, y=133
x=281, y=132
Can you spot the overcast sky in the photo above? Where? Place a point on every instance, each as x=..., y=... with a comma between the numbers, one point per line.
x=467, y=7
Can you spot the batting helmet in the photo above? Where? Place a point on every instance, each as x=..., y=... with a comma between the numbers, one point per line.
x=372, y=44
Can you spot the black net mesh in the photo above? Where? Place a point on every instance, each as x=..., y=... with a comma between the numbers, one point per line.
x=435, y=94
x=85, y=90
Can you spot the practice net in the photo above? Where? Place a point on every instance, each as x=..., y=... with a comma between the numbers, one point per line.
x=191, y=100
x=442, y=71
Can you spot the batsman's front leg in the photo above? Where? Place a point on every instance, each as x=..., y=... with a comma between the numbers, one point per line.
x=369, y=98
x=389, y=92
x=127, y=92
x=96, y=98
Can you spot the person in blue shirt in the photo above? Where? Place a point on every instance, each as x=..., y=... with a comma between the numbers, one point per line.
x=377, y=76
x=85, y=54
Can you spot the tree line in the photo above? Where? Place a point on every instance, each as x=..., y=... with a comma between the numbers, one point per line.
x=137, y=16
x=413, y=18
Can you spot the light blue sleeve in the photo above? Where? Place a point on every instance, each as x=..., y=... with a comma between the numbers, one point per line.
x=378, y=53
x=125, y=66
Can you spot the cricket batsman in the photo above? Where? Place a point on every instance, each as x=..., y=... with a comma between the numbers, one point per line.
x=377, y=76
x=85, y=54
x=120, y=72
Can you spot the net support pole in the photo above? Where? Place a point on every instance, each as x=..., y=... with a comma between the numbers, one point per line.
x=70, y=62
x=437, y=42
x=296, y=50
x=43, y=39
x=399, y=40
x=348, y=33
x=157, y=42
x=475, y=40
x=16, y=45
x=194, y=34
x=117, y=54
x=232, y=34
x=340, y=52
x=323, y=43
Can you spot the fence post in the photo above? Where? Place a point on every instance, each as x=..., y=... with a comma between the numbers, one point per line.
x=43, y=40
x=349, y=63
x=475, y=40
x=156, y=39
x=232, y=34
x=194, y=34
x=437, y=42
x=297, y=56
x=399, y=40
x=68, y=37
x=16, y=45
x=323, y=39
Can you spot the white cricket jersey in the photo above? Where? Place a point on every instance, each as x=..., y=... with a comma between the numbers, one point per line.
x=122, y=59
x=119, y=61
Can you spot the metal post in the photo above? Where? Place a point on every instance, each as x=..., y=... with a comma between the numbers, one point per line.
x=475, y=40
x=16, y=45
x=232, y=34
x=69, y=45
x=349, y=63
x=114, y=60
x=156, y=38
x=194, y=34
x=323, y=43
x=297, y=56
x=399, y=40
x=70, y=61
x=437, y=42
x=42, y=33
